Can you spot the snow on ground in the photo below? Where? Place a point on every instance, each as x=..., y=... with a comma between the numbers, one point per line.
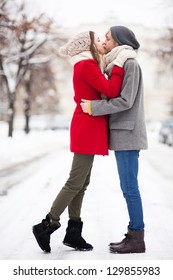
x=44, y=159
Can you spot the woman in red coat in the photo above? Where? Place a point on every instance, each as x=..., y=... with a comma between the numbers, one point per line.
x=89, y=134
x=88, y=137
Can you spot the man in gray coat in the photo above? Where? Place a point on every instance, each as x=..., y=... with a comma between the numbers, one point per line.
x=127, y=133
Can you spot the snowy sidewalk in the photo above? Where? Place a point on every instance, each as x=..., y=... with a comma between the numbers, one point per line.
x=104, y=212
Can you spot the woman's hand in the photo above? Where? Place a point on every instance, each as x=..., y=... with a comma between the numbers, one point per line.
x=85, y=105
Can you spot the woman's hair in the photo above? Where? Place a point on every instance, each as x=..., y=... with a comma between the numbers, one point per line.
x=93, y=49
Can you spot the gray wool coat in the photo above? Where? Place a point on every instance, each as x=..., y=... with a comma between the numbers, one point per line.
x=127, y=128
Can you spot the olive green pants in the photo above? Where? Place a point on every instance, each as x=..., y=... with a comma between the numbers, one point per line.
x=72, y=193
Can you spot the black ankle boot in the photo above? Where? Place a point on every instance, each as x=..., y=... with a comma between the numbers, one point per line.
x=73, y=236
x=43, y=231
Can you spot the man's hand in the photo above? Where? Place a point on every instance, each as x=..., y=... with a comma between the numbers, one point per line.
x=85, y=104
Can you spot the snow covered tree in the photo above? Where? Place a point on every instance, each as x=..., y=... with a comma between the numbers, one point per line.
x=40, y=91
x=22, y=42
x=165, y=48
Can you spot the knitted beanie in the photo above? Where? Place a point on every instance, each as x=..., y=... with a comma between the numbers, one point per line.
x=124, y=36
x=78, y=44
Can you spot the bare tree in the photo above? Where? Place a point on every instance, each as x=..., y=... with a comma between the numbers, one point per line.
x=40, y=91
x=165, y=46
x=21, y=39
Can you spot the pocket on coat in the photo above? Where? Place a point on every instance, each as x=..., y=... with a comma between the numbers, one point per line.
x=127, y=125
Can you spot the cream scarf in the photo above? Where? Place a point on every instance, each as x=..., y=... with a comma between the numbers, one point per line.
x=112, y=55
x=87, y=55
x=81, y=56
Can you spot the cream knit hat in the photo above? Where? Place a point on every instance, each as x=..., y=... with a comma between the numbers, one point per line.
x=78, y=44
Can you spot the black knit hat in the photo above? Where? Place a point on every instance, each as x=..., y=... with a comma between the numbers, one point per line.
x=124, y=36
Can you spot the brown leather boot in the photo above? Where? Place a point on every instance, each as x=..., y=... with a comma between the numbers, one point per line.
x=133, y=243
x=120, y=242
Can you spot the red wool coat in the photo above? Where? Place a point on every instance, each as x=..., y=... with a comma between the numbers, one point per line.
x=88, y=134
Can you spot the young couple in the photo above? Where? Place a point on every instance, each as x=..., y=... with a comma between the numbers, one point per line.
x=92, y=59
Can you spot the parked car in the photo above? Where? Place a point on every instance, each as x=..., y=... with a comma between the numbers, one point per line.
x=165, y=132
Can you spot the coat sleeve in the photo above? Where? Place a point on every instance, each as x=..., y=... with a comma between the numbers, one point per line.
x=127, y=96
x=93, y=75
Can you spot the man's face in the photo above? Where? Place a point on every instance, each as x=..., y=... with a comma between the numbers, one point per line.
x=109, y=42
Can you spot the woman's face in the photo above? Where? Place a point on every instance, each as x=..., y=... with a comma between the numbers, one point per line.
x=99, y=45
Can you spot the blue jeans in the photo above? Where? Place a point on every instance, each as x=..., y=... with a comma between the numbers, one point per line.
x=127, y=164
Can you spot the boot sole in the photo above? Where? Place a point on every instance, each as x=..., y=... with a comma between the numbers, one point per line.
x=77, y=248
x=118, y=252
x=39, y=242
x=114, y=244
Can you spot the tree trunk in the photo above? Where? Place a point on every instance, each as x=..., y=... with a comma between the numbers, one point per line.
x=27, y=119
x=11, y=119
x=27, y=105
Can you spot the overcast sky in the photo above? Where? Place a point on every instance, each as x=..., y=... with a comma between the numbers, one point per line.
x=74, y=12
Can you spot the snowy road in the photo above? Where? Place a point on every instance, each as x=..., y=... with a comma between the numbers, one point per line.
x=34, y=169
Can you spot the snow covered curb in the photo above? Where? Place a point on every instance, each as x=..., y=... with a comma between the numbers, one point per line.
x=24, y=147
